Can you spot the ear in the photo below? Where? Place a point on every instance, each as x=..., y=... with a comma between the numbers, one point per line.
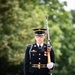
x=34, y=36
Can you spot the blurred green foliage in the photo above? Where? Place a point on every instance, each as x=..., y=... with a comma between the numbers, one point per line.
x=19, y=17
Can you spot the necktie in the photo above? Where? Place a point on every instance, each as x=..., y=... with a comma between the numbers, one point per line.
x=39, y=46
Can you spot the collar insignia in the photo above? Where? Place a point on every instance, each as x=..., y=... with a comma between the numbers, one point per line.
x=44, y=46
x=34, y=45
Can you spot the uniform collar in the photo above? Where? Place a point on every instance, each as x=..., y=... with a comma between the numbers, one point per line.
x=39, y=44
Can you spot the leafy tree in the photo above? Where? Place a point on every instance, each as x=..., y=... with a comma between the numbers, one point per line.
x=19, y=17
x=73, y=15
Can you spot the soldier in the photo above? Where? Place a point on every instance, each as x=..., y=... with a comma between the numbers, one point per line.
x=35, y=62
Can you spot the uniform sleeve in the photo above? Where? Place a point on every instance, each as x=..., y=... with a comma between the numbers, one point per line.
x=52, y=55
x=26, y=62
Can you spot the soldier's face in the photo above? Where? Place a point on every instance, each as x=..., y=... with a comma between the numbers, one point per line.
x=39, y=39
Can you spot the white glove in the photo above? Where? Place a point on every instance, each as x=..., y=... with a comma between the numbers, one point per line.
x=50, y=65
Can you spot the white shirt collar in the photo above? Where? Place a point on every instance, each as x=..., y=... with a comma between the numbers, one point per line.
x=39, y=44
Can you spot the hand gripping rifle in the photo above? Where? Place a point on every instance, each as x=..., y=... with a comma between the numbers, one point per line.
x=48, y=42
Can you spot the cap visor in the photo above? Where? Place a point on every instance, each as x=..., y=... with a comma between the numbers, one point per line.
x=39, y=34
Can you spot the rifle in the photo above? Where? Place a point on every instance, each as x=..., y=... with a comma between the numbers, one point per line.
x=48, y=42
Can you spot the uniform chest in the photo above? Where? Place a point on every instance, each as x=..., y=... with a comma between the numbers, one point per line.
x=38, y=54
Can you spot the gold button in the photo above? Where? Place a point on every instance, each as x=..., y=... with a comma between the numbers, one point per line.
x=39, y=54
x=39, y=58
x=33, y=54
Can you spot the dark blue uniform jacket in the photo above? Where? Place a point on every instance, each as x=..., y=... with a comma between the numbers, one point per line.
x=35, y=56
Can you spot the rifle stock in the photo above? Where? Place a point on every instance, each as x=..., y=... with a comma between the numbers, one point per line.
x=48, y=54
